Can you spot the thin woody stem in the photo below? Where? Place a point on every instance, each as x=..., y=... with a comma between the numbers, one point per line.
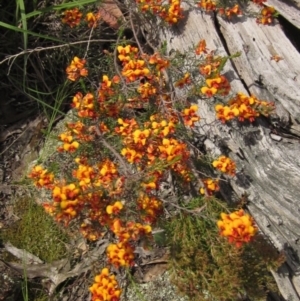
x=114, y=152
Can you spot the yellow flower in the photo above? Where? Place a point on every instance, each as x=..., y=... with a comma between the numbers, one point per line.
x=115, y=208
x=141, y=136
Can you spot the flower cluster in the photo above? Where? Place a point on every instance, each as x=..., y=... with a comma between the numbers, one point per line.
x=217, y=85
x=186, y=80
x=229, y=12
x=92, y=19
x=105, y=287
x=41, y=177
x=201, y=47
x=129, y=231
x=207, y=5
x=267, y=15
x=66, y=201
x=171, y=12
x=133, y=68
x=120, y=254
x=210, y=186
x=114, y=208
x=76, y=69
x=72, y=17
x=225, y=165
x=108, y=103
x=150, y=207
x=210, y=67
x=76, y=134
x=210, y=5
x=237, y=226
x=85, y=105
x=244, y=108
x=149, y=144
x=189, y=115
x=69, y=144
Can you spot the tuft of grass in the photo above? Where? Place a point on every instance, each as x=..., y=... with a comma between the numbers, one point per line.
x=36, y=232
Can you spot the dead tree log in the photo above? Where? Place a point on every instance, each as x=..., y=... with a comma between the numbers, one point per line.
x=267, y=152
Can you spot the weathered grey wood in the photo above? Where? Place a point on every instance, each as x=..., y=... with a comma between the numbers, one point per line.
x=258, y=43
x=269, y=170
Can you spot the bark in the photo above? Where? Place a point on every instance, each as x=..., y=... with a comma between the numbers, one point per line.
x=266, y=152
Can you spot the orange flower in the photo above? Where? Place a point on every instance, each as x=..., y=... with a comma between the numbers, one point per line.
x=151, y=208
x=131, y=155
x=190, y=116
x=126, y=53
x=211, y=186
x=85, y=105
x=207, y=5
x=174, y=13
x=140, y=137
x=276, y=58
x=205, y=70
x=225, y=113
x=126, y=126
x=41, y=177
x=229, y=12
x=92, y=19
x=149, y=186
x=72, y=17
x=120, y=254
x=225, y=164
x=218, y=84
x=209, y=92
x=237, y=226
x=134, y=70
x=186, y=80
x=146, y=90
x=115, y=208
x=160, y=63
x=267, y=14
x=71, y=147
x=105, y=287
x=201, y=47
x=76, y=69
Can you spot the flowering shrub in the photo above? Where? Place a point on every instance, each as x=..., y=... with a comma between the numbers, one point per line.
x=131, y=133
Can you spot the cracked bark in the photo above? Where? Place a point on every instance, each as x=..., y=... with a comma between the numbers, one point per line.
x=269, y=168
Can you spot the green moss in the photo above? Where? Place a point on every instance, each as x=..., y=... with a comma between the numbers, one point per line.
x=204, y=266
x=36, y=232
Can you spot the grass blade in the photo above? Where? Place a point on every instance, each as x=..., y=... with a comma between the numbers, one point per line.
x=17, y=29
x=61, y=7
